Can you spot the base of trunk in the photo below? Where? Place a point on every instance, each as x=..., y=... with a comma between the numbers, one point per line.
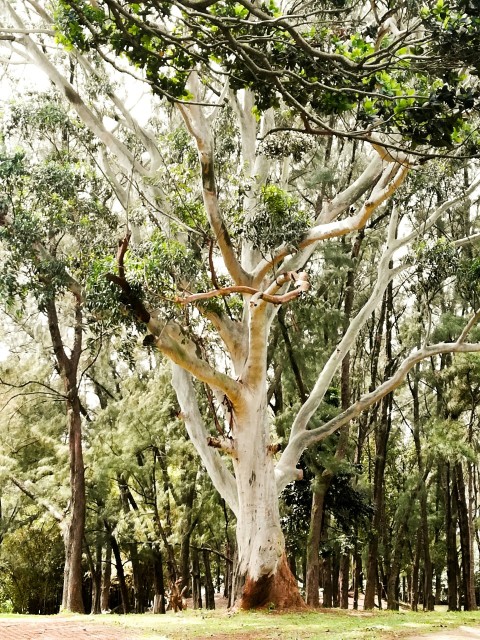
x=279, y=590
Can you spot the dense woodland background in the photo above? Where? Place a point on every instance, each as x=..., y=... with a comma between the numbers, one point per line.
x=387, y=512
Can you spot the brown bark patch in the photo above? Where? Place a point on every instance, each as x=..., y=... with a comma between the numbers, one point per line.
x=279, y=590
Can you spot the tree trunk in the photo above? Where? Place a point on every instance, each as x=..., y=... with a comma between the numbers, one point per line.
x=336, y=577
x=357, y=576
x=188, y=526
x=137, y=576
x=74, y=531
x=451, y=539
x=209, y=588
x=196, y=581
x=468, y=569
x=344, y=579
x=106, y=577
x=96, y=573
x=262, y=574
x=120, y=571
x=313, y=544
x=383, y=431
x=416, y=572
x=158, y=583
x=327, y=601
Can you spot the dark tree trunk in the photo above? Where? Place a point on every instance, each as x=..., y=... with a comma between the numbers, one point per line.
x=106, y=577
x=227, y=593
x=378, y=492
x=382, y=432
x=468, y=572
x=73, y=537
x=138, y=578
x=438, y=588
x=158, y=582
x=95, y=565
x=451, y=539
x=209, y=588
x=427, y=579
x=336, y=578
x=120, y=571
x=327, y=582
x=313, y=544
x=357, y=577
x=75, y=528
x=416, y=572
x=344, y=579
x=324, y=481
x=393, y=581
x=196, y=581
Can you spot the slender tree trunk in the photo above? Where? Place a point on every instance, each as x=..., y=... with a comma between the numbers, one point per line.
x=416, y=572
x=336, y=577
x=158, y=582
x=74, y=529
x=137, y=576
x=209, y=588
x=382, y=431
x=95, y=565
x=468, y=571
x=313, y=544
x=196, y=581
x=73, y=536
x=381, y=439
x=344, y=579
x=327, y=570
x=188, y=526
x=106, y=577
x=119, y=569
x=451, y=538
x=357, y=576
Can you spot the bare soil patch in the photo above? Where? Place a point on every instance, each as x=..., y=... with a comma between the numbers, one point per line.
x=473, y=633
x=58, y=628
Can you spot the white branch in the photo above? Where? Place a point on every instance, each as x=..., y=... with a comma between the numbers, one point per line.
x=223, y=480
x=197, y=125
x=285, y=470
x=97, y=127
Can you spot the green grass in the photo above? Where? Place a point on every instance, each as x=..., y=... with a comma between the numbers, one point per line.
x=336, y=625
x=309, y=625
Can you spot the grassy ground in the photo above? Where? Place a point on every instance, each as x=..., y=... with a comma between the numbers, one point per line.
x=310, y=625
x=307, y=625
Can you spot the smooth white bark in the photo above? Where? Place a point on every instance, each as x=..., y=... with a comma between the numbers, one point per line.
x=221, y=477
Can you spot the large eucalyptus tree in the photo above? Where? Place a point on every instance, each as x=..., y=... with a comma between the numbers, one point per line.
x=224, y=258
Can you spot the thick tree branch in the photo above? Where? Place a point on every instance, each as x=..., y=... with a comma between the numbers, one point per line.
x=28, y=490
x=384, y=275
x=123, y=154
x=286, y=471
x=300, y=281
x=221, y=477
x=391, y=178
x=197, y=125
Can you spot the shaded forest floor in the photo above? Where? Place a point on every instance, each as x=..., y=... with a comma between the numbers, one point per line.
x=222, y=625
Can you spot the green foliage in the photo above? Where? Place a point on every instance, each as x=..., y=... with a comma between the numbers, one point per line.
x=435, y=263
x=30, y=580
x=279, y=220
x=319, y=70
x=468, y=280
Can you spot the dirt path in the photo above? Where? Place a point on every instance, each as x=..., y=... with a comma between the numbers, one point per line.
x=473, y=633
x=61, y=629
